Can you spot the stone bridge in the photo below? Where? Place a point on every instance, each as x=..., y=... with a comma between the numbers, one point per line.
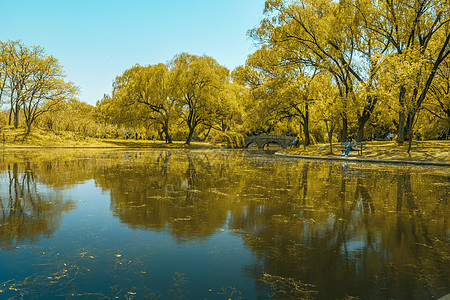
x=262, y=140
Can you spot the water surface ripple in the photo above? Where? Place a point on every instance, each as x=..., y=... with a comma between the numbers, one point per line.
x=218, y=224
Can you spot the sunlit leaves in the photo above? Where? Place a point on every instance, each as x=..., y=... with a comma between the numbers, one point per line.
x=142, y=98
x=198, y=82
x=32, y=81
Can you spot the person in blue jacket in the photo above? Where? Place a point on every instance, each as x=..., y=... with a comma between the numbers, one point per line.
x=351, y=143
x=294, y=143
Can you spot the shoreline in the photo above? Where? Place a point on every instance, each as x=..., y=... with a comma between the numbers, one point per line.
x=364, y=160
x=196, y=147
x=160, y=146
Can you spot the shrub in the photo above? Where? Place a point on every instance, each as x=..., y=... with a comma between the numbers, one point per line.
x=230, y=139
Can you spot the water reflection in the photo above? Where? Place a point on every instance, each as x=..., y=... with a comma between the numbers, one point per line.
x=316, y=229
x=159, y=192
x=347, y=230
x=29, y=210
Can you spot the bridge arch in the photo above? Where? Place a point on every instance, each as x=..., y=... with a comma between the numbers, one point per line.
x=247, y=144
x=263, y=140
x=273, y=143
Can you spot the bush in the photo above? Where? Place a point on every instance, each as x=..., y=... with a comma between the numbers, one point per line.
x=230, y=139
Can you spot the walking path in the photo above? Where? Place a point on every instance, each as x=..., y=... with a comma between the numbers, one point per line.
x=363, y=160
x=423, y=153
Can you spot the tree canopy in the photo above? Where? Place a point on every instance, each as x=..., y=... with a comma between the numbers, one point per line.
x=32, y=82
x=322, y=70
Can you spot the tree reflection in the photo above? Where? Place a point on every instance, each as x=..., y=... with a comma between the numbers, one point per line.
x=348, y=230
x=167, y=191
x=340, y=237
x=27, y=210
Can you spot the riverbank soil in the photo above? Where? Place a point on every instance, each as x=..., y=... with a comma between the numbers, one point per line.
x=433, y=151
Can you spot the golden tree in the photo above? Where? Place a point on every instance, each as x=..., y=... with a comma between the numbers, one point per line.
x=417, y=36
x=33, y=81
x=197, y=84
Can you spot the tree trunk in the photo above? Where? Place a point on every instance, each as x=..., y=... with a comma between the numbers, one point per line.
x=190, y=135
x=192, y=124
x=16, y=119
x=28, y=129
x=207, y=134
x=410, y=123
x=167, y=135
x=401, y=128
x=307, y=140
x=16, y=112
x=330, y=140
x=160, y=134
x=361, y=123
x=401, y=118
x=10, y=117
x=343, y=136
x=11, y=109
x=362, y=120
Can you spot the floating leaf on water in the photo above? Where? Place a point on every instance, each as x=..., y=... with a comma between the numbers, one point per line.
x=188, y=218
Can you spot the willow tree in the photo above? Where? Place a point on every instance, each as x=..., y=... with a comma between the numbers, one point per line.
x=16, y=60
x=327, y=36
x=45, y=89
x=260, y=118
x=150, y=86
x=142, y=97
x=230, y=113
x=328, y=104
x=197, y=82
x=417, y=34
x=286, y=85
x=33, y=80
x=439, y=104
x=3, y=70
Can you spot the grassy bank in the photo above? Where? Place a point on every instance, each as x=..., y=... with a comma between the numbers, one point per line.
x=10, y=137
x=438, y=151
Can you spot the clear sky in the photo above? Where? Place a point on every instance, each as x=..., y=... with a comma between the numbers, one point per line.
x=96, y=40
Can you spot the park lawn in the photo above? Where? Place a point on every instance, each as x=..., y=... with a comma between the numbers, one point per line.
x=438, y=151
x=10, y=137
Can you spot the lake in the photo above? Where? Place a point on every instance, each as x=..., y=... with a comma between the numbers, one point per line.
x=219, y=224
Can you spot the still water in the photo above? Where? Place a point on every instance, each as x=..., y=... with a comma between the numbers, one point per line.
x=217, y=224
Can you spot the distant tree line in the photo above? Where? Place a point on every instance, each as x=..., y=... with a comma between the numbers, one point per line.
x=193, y=92
x=323, y=70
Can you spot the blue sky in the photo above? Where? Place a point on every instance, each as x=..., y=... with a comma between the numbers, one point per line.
x=96, y=40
